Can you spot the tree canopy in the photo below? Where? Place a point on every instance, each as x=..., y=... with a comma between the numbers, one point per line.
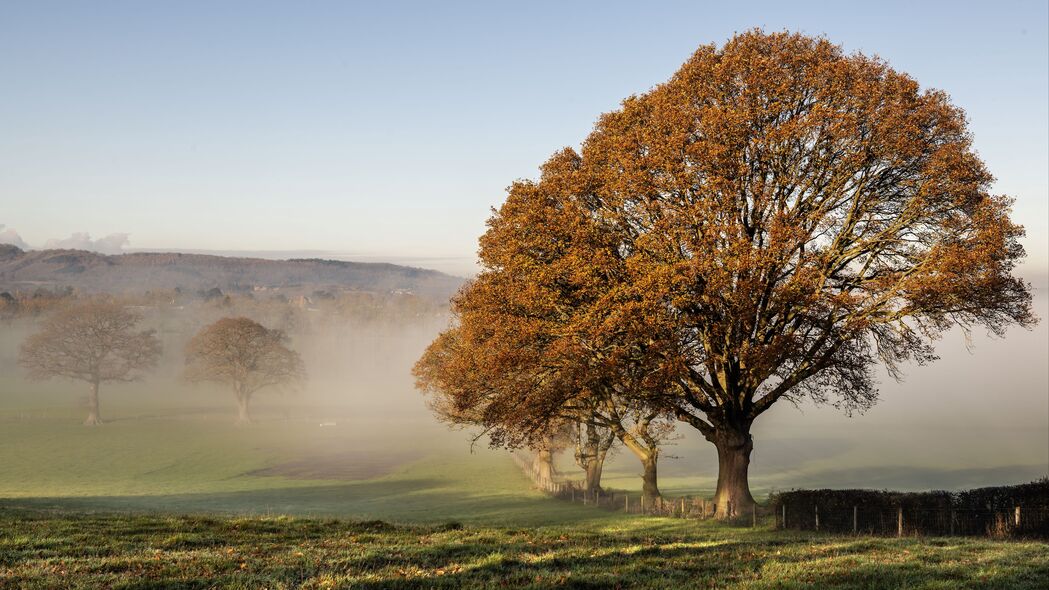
x=93, y=341
x=774, y=222
x=245, y=355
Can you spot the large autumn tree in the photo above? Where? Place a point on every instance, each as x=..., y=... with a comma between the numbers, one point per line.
x=94, y=341
x=797, y=215
x=772, y=223
x=245, y=356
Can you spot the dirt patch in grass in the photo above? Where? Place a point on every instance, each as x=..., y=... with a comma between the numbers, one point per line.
x=341, y=466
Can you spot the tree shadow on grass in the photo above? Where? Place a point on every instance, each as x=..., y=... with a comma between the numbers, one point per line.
x=726, y=565
x=416, y=500
x=178, y=551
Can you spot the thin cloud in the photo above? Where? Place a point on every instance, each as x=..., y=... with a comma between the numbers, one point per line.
x=111, y=244
x=10, y=236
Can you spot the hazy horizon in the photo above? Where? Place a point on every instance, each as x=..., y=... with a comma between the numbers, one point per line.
x=389, y=131
x=460, y=267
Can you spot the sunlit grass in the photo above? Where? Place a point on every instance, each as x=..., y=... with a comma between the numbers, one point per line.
x=44, y=550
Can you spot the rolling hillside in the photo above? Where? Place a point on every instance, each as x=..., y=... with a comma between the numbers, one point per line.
x=142, y=271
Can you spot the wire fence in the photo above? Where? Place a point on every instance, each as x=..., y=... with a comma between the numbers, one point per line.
x=1020, y=521
x=632, y=503
x=1001, y=512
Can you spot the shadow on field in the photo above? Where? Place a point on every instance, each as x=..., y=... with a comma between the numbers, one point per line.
x=344, y=466
x=422, y=500
x=747, y=563
x=51, y=549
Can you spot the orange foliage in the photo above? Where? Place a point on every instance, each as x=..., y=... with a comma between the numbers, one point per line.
x=772, y=222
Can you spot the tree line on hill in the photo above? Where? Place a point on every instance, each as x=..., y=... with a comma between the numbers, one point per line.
x=92, y=272
x=289, y=309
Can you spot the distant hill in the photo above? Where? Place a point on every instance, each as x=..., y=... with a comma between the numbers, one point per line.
x=142, y=271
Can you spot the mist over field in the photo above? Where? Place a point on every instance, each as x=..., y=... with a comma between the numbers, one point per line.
x=359, y=416
x=169, y=444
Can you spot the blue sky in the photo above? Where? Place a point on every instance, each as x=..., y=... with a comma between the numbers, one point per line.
x=388, y=130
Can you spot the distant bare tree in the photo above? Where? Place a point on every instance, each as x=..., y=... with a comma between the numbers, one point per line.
x=245, y=355
x=95, y=342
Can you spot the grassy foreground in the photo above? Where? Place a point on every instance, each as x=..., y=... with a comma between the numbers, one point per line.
x=169, y=495
x=65, y=550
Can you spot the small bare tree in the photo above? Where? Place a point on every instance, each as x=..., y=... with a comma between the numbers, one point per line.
x=94, y=342
x=245, y=355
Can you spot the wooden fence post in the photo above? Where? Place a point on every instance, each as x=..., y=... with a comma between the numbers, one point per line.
x=753, y=515
x=952, y=523
x=817, y=517
x=682, y=508
x=642, y=503
x=1016, y=519
x=784, y=510
x=899, y=521
x=854, y=520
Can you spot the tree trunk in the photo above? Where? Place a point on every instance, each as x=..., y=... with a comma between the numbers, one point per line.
x=242, y=408
x=591, y=450
x=94, y=418
x=543, y=464
x=734, y=446
x=649, y=457
x=649, y=482
x=593, y=473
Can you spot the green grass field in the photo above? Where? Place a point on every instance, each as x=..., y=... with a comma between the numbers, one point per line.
x=59, y=550
x=169, y=494
x=160, y=457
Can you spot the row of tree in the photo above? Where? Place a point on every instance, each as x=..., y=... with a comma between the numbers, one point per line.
x=770, y=224
x=100, y=342
x=292, y=310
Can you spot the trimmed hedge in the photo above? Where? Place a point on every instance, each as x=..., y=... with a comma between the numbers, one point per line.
x=1002, y=511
